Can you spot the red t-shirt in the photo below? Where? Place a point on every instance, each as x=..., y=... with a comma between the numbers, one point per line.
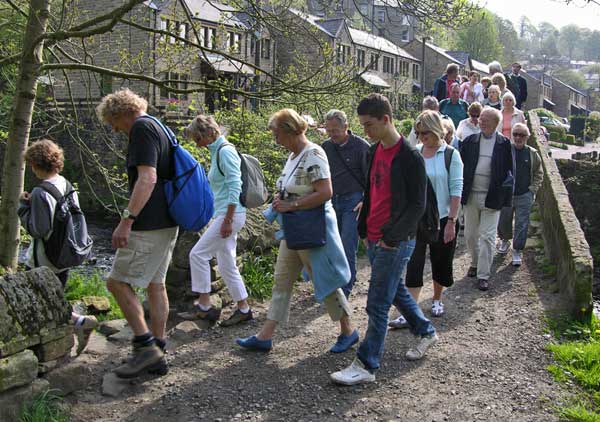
x=380, y=195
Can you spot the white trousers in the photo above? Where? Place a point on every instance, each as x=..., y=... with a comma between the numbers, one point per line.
x=480, y=233
x=210, y=245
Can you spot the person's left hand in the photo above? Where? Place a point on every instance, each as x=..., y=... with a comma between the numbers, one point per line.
x=449, y=232
x=120, y=237
x=281, y=205
x=226, y=229
x=383, y=245
x=25, y=196
x=357, y=209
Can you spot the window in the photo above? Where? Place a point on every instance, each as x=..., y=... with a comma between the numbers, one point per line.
x=106, y=86
x=235, y=42
x=405, y=35
x=374, y=62
x=342, y=54
x=381, y=16
x=403, y=68
x=208, y=36
x=179, y=81
x=364, y=9
x=183, y=31
x=387, y=68
x=415, y=71
x=163, y=27
x=265, y=52
x=360, y=58
x=347, y=54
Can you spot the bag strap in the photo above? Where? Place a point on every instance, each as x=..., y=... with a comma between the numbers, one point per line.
x=224, y=144
x=448, y=152
x=293, y=171
x=339, y=154
x=170, y=135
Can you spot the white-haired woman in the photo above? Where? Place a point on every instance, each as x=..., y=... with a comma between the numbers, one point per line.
x=220, y=238
x=447, y=184
x=511, y=115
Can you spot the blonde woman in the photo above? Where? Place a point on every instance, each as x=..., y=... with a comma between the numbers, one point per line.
x=305, y=183
x=511, y=115
x=447, y=184
x=220, y=238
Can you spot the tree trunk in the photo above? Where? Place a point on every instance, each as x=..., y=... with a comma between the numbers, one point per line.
x=20, y=124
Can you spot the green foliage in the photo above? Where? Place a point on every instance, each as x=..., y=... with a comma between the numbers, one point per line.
x=570, y=139
x=546, y=113
x=80, y=285
x=258, y=272
x=557, y=144
x=572, y=78
x=479, y=37
x=578, y=413
x=554, y=136
x=404, y=126
x=46, y=407
x=592, y=127
x=577, y=123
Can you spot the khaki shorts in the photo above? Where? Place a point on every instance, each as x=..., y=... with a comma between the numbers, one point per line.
x=146, y=258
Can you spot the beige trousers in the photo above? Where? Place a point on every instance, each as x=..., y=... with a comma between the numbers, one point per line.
x=480, y=233
x=287, y=270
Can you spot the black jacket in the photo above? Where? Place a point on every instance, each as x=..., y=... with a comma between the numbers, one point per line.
x=440, y=88
x=409, y=189
x=518, y=86
x=502, y=181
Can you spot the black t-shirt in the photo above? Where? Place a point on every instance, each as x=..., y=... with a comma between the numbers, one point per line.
x=523, y=170
x=149, y=146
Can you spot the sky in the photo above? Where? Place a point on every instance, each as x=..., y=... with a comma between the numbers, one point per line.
x=557, y=12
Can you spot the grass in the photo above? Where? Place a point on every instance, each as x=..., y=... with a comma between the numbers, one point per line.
x=548, y=268
x=577, y=356
x=80, y=285
x=258, y=273
x=46, y=407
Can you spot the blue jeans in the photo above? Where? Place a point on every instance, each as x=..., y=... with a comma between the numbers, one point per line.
x=348, y=228
x=521, y=208
x=387, y=287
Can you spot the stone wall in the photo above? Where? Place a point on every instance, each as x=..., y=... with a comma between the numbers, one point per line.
x=35, y=335
x=564, y=240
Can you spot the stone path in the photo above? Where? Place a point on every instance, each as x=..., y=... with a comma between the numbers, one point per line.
x=489, y=365
x=567, y=153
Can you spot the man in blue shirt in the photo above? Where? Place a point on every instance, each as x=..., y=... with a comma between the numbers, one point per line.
x=347, y=156
x=454, y=107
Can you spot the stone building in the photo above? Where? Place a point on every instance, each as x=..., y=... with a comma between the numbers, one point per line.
x=569, y=101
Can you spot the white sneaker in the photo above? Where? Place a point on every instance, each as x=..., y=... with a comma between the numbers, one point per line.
x=516, y=258
x=352, y=375
x=417, y=352
x=398, y=323
x=503, y=247
x=437, y=308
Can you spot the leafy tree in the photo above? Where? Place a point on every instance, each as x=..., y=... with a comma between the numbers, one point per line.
x=509, y=39
x=591, y=46
x=570, y=37
x=571, y=77
x=479, y=38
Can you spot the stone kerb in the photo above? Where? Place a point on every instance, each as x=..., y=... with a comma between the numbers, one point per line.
x=34, y=333
x=564, y=240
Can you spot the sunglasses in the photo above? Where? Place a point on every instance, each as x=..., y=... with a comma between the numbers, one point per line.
x=518, y=134
x=474, y=115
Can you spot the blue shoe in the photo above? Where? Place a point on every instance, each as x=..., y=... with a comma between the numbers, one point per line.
x=343, y=342
x=252, y=343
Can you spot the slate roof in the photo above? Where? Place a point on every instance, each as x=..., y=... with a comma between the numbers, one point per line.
x=461, y=56
x=369, y=40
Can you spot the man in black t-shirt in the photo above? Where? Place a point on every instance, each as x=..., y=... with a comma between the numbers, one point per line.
x=146, y=234
x=347, y=156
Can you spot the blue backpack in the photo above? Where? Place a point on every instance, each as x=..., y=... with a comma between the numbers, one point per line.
x=189, y=198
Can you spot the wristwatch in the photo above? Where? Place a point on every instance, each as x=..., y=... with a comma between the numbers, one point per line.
x=126, y=214
x=453, y=219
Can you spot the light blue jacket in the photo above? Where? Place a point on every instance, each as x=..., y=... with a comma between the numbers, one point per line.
x=226, y=186
x=445, y=185
x=330, y=270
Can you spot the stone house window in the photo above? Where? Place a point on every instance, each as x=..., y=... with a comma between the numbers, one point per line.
x=265, y=51
x=208, y=37
x=106, y=84
x=415, y=71
x=404, y=35
x=179, y=81
x=381, y=16
x=360, y=58
x=235, y=42
x=374, y=62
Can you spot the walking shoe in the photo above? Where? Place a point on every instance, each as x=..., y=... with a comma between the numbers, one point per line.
x=516, y=258
x=253, y=343
x=237, y=318
x=417, y=352
x=356, y=373
x=483, y=285
x=503, y=247
x=437, y=308
x=160, y=368
x=472, y=272
x=211, y=315
x=343, y=342
x=84, y=331
x=398, y=323
x=144, y=358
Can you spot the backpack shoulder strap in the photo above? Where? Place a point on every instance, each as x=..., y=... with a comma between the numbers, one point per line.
x=166, y=130
x=448, y=152
x=53, y=190
x=224, y=144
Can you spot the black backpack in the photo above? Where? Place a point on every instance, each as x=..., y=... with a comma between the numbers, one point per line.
x=69, y=244
x=428, y=230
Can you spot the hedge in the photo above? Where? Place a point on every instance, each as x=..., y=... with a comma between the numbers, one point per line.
x=555, y=136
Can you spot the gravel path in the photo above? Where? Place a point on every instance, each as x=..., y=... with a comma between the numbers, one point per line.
x=488, y=366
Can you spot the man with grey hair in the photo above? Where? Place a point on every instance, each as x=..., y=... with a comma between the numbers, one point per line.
x=347, y=156
x=495, y=67
x=528, y=179
x=488, y=187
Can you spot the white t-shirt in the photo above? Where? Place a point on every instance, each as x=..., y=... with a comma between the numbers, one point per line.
x=302, y=170
x=483, y=171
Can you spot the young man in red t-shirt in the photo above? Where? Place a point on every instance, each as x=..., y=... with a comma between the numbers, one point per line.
x=393, y=205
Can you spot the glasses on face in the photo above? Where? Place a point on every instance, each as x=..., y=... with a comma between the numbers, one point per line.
x=519, y=134
x=422, y=132
x=475, y=116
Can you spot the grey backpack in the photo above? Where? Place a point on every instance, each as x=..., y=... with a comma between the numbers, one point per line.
x=254, y=189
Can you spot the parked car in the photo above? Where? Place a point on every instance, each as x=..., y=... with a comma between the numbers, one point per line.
x=549, y=121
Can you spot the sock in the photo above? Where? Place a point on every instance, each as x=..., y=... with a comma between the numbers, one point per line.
x=144, y=339
x=203, y=307
x=245, y=309
x=80, y=320
x=161, y=343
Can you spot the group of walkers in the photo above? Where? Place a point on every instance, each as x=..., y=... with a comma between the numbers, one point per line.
x=380, y=192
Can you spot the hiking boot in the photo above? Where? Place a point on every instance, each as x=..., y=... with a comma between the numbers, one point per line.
x=356, y=373
x=483, y=285
x=503, y=247
x=472, y=272
x=211, y=315
x=160, y=368
x=398, y=323
x=516, y=258
x=84, y=331
x=237, y=318
x=417, y=352
x=144, y=358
